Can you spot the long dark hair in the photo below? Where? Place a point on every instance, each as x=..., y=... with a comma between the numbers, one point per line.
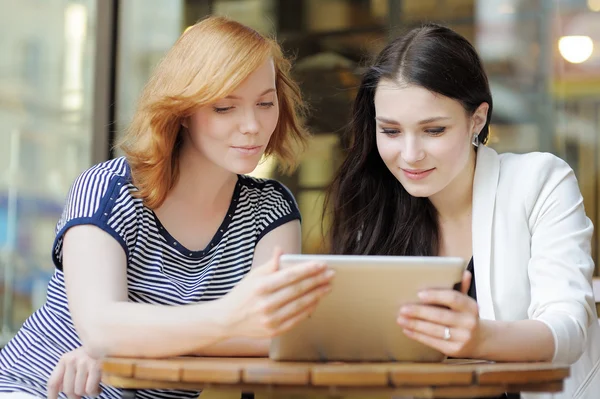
x=372, y=213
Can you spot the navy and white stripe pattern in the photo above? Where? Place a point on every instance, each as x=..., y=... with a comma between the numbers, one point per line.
x=160, y=270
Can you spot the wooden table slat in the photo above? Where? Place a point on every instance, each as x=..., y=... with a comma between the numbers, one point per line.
x=434, y=374
x=461, y=362
x=349, y=375
x=472, y=391
x=545, y=387
x=276, y=373
x=120, y=367
x=520, y=373
x=136, y=383
x=212, y=372
x=161, y=370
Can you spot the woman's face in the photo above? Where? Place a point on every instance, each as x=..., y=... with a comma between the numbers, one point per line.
x=233, y=132
x=424, y=138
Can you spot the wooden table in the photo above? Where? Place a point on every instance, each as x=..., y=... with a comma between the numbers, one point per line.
x=451, y=379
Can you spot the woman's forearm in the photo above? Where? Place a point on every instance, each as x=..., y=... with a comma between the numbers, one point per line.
x=140, y=330
x=237, y=347
x=515, y=341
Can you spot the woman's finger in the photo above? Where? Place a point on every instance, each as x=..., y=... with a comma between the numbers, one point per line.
x=289, y=323
x=432, y=329
x=55, y=385
x=81, y=379
x=291, y=275
x=442, y=345
x=269, y=267
x=69, y=381
x=450, y=298
x=291, y=293
x=92, y=387
x=437, y=315
x=292, y=308
x=466, y=282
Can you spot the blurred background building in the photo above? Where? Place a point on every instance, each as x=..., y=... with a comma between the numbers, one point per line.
x=71, y=70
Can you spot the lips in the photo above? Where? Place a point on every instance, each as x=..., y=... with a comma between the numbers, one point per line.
x=248, y=149
x=417, y=174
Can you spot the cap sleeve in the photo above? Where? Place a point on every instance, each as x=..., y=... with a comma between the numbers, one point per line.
x=277, y=207
x=103, y=199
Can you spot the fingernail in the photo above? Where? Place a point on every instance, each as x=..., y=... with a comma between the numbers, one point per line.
x=330, y=273
x=401, y=320
x=405, y=310
x=423, y=294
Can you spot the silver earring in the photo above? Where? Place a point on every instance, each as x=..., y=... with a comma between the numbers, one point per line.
x=475, y=140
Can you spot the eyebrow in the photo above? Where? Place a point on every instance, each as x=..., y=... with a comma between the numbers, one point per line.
x=423, y=122
x=232, y=97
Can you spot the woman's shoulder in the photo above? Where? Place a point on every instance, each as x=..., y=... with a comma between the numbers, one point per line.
x=100, y=190
x=533, y=167
x=265, y=188
x=534, y=160
x=535, y=176
x=102, y=174
x=272, y=201
x=116, y=167
x=101, y=196
x=99, y=179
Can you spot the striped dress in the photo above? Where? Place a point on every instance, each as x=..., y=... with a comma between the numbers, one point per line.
x=160, y=270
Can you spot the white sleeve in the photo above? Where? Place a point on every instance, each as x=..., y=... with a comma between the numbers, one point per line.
x=561, y=267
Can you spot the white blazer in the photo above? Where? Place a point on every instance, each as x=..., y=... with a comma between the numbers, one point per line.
x=532, y=258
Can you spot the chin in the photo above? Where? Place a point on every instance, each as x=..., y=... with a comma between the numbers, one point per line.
x=419, y=192
x=243, y=168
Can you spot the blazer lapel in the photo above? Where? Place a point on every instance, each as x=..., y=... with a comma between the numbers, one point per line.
x=485, y=184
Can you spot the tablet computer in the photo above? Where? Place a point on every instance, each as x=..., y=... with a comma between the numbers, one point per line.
x=356, y=321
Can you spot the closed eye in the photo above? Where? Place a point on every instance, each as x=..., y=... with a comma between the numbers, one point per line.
x=436, y=131
x=266, y=104
x=221, y=110
x=390, y=131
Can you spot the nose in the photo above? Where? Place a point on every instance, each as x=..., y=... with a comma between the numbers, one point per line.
x=249, y=124
x=412, y=151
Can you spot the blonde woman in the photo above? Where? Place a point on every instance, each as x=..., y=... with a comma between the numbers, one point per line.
x=171, y=249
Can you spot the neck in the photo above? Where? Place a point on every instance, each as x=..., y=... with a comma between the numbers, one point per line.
x=201, y=183
x=455, y=201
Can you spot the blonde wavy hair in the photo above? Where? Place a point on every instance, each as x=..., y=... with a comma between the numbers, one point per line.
x=207, y=63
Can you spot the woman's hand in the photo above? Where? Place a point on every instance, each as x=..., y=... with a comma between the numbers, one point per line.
x=270, y=301
x=77, y=374
x=446, y=320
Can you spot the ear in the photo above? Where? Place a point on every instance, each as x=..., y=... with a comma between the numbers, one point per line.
x=185, y=122
x=480, y=117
